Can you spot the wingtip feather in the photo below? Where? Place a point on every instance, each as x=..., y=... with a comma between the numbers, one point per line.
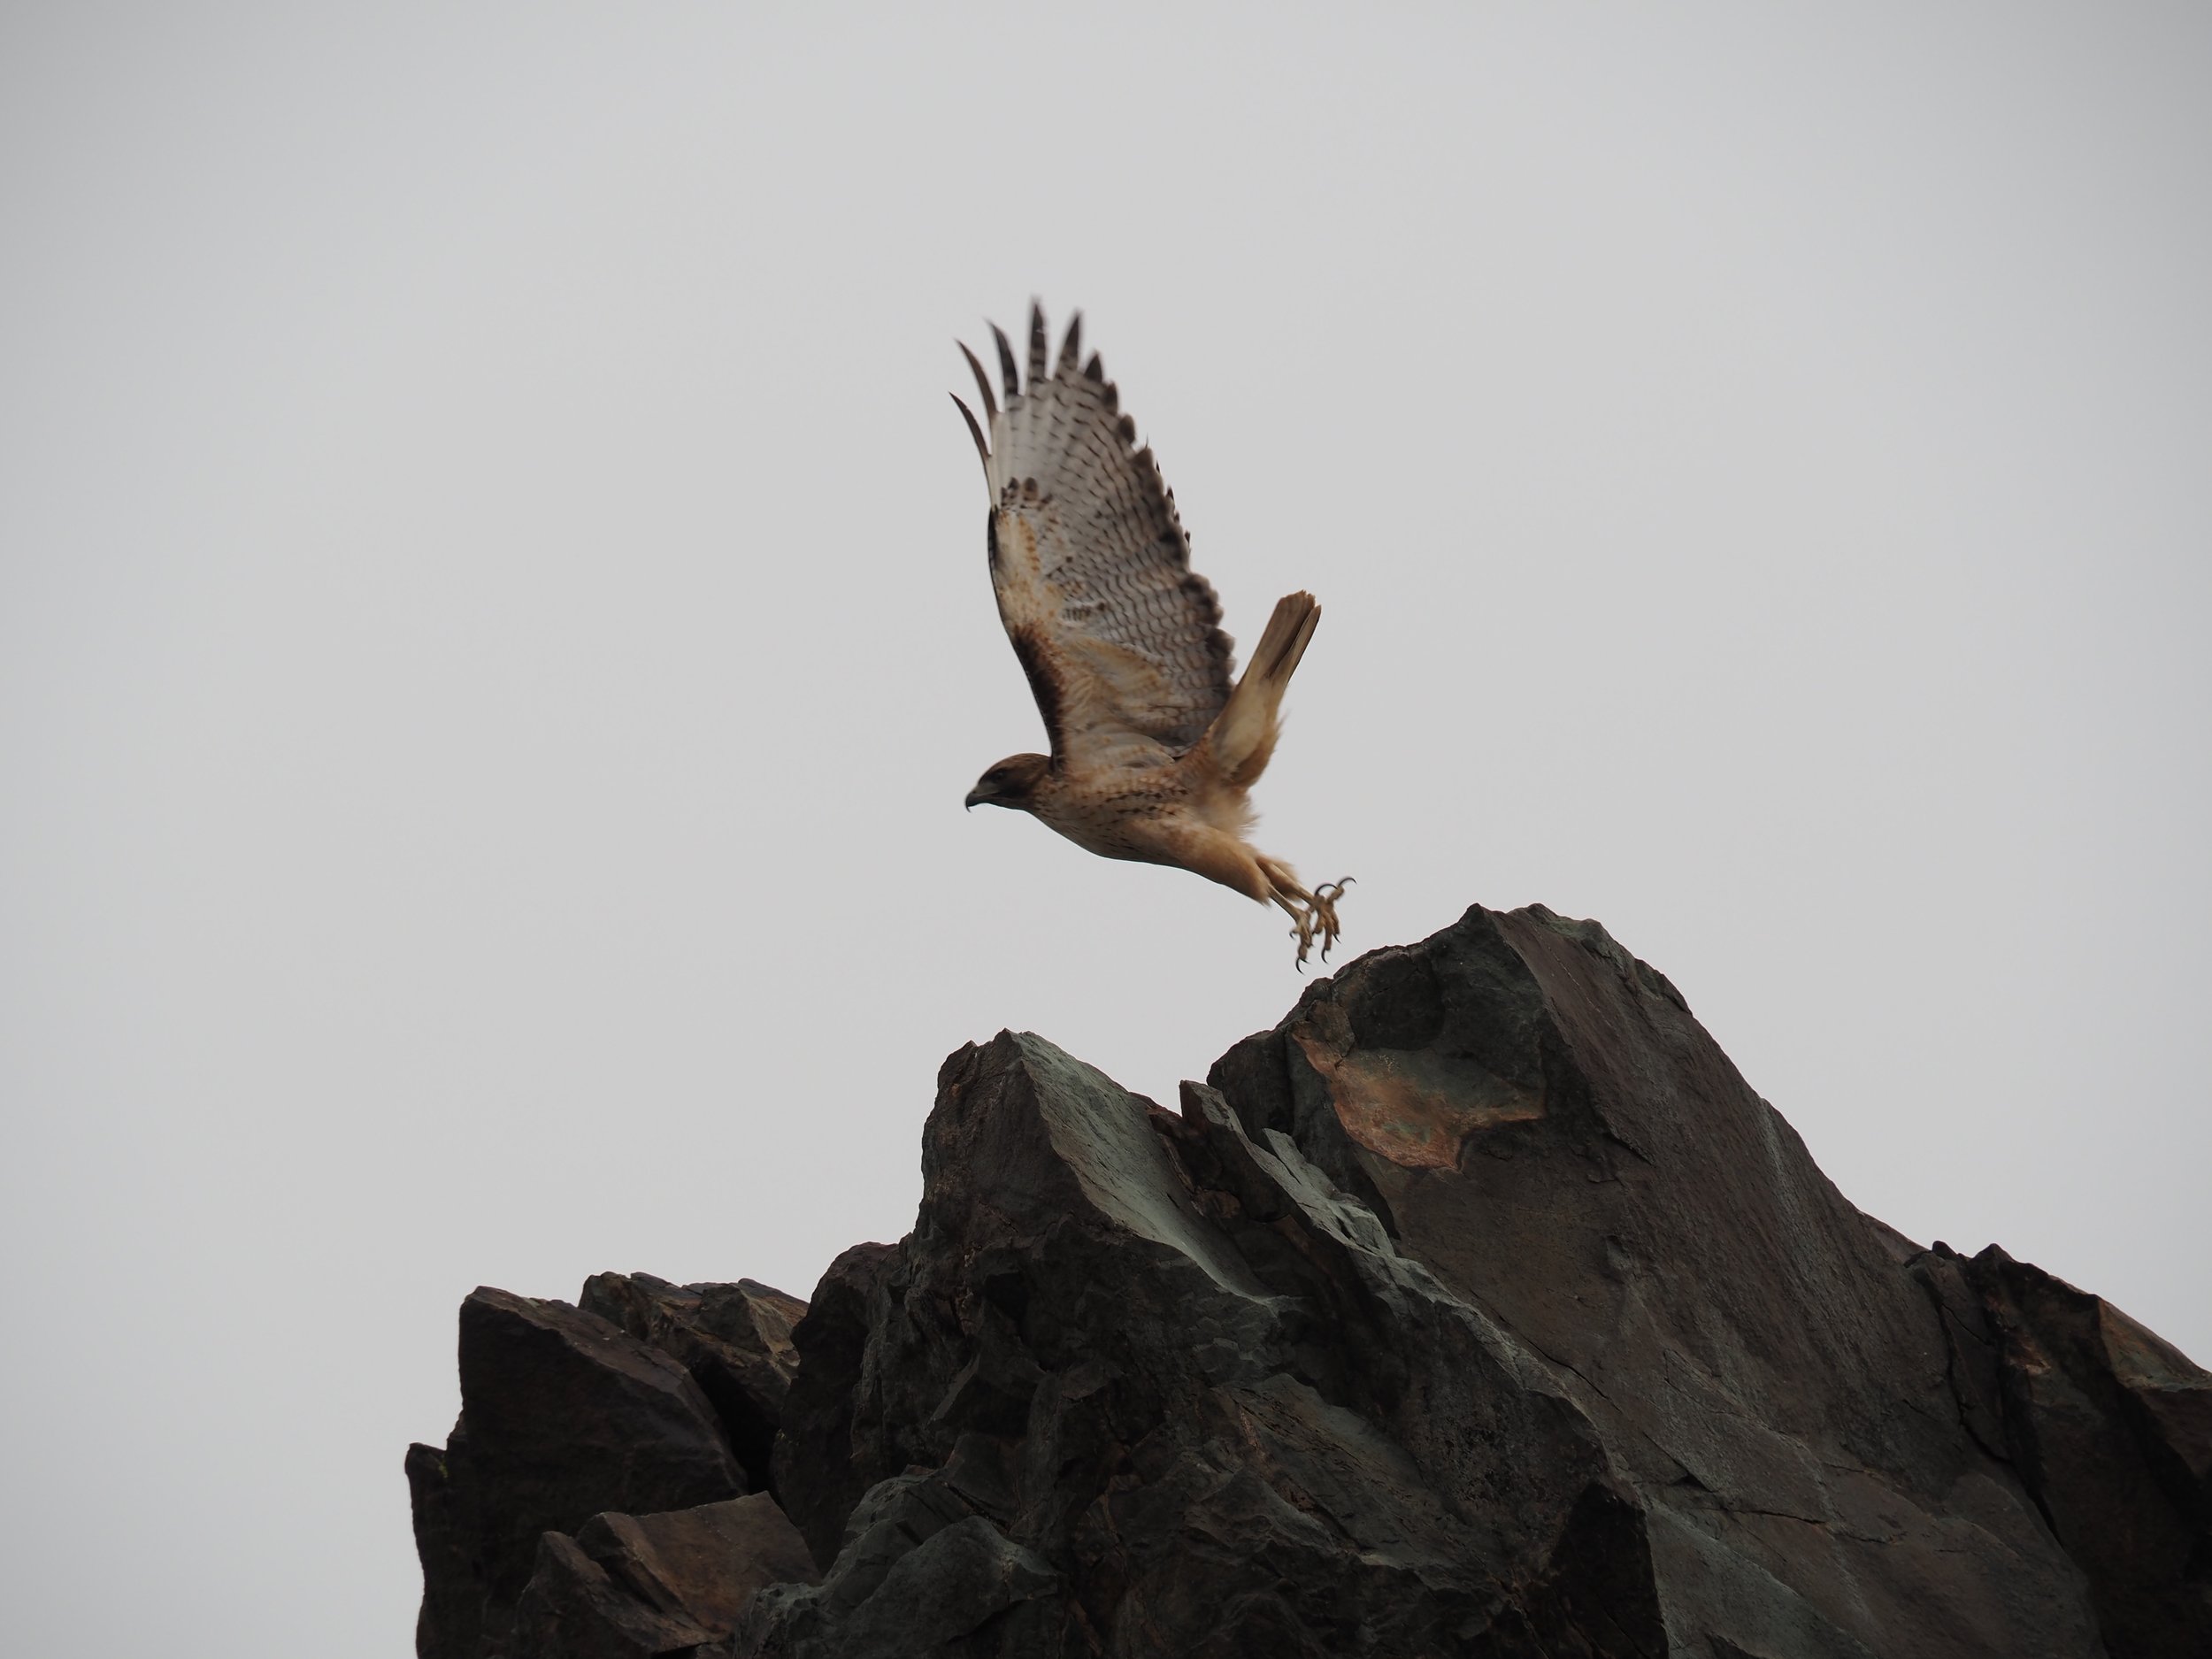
x=1037, y=343
x=982, y=380
x=982, y=450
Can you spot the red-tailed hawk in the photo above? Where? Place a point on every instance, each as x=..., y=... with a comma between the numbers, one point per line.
x=1153, y=749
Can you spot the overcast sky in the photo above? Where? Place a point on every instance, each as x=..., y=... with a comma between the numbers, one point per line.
x=494, y=637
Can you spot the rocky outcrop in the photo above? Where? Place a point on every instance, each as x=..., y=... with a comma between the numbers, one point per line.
x=1478, y=1309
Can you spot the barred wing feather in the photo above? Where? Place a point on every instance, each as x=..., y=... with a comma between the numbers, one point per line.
x=1120, y=638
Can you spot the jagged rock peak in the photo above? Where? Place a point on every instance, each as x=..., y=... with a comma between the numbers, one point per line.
x=1479, y=1308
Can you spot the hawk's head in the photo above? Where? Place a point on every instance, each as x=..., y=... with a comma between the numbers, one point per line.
x=1013, y=782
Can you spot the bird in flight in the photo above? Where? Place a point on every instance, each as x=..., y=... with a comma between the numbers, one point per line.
x=1154, y=750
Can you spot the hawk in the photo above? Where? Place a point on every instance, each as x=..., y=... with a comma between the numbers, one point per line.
x=1154, y=749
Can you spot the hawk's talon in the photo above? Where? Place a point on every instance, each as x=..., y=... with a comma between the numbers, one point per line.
x=1312, y=914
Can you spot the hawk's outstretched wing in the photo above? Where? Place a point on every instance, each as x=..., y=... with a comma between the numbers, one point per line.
x=1120, y=637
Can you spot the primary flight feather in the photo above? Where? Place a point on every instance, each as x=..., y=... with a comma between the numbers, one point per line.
x=1156, y=744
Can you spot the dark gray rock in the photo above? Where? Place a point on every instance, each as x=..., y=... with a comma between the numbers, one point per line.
x=1478, y=1309
x=734, y=1339
x=1553, y=1135
x=652, y=1583
x=561, y=1416
x=2111, y=1431
x=1197, y=1384
x=917, y=1574
x=573, y=1608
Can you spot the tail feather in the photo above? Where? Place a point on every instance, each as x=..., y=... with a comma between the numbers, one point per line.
x=1243, y=735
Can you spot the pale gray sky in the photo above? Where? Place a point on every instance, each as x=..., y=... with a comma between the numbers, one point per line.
x=494, y=637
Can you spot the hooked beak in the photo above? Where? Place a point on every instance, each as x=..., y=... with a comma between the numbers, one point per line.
x=974, y=795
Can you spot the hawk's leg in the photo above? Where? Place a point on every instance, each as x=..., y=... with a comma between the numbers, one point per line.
x=1312, y=913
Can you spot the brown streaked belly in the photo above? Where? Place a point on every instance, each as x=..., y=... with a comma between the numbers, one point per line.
x=1122, y=816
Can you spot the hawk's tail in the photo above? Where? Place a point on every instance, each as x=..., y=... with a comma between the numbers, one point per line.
x=1243, y=735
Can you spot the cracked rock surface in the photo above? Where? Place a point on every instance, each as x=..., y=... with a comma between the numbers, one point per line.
x=1480, y=1307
